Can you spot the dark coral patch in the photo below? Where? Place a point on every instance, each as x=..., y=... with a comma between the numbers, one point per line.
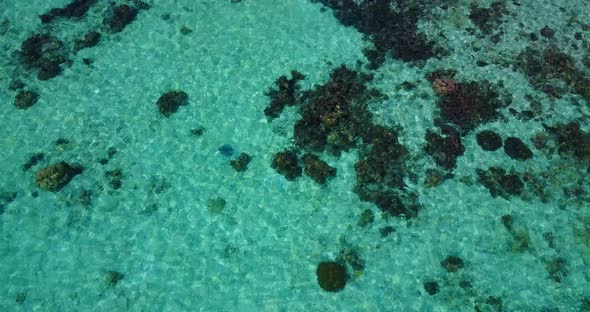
x=241, y=162
x=470, y=105
x=500, y=183
x=317, y=169
x=431, y=287
x=56, y=176
x=285, y=95
x=75, y=9
x=571, y=140
x=487, y=19
x=226, y=150
x=393, y=33
x=90, y=39
x=548, y=69
x=331, y=276
x=169, y=102
x=33, y=161
x=114, y=177
x=335, y=118
x=489, y=140
x=121, y=16
x=444, y=150
x=380, y=172
x=287, y=164
x=43, y=53
x=334, y=115
x=452, y=263
x=516, y=149
x=25, y=99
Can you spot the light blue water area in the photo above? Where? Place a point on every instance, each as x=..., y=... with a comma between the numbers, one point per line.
x=158, y=220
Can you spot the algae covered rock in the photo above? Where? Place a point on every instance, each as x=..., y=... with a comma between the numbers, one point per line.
x=287, y=164
x=317, y=169
x=331, y=276
x=169, y=102
x=241, y=162
x=56, y=176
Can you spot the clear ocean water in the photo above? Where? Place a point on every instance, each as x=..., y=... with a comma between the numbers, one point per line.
x=114, y=197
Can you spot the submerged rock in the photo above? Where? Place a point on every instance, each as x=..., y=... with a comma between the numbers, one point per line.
x=226, y=150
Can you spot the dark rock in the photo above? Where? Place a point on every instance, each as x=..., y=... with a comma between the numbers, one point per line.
x=331, y=276
x=516, y=149
x=465, y=284
x=285, y=95
x=489, y=140
x=452, y=263
x=75, y=9
x=91, y=39
x=44, y=53
x=114, y=277
x=351, y=257
x=547, y=32
x=431, y=287
x=287, y=164
x=488, y=19
x=317, y=169
x=241, y=163
x=21, y=297
x=499, y=183
x=386, y=231
x=169, y=102
x=56, y=176
x=226, y=150
x=444, y=150
x=366, y=218
x=115, y=177
x=198, y=131
x=548, y=69
x=185, y=30
x=393, y=32
x=557, y=269
x=34, y=160
x=16, y=84
x=470, y=105
x=48, y=70
x=142, y=5
x=122, y=15
x=571, y=140
x=25, y=99
x=490, y=304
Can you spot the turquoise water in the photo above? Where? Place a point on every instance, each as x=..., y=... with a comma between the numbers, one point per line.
x=157, y=219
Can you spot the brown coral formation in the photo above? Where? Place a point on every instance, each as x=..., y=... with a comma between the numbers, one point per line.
x=56, y=176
